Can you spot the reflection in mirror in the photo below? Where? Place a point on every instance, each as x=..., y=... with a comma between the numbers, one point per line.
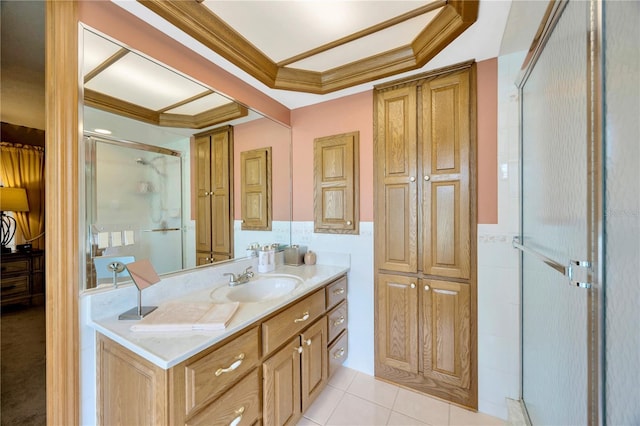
x=142, y=178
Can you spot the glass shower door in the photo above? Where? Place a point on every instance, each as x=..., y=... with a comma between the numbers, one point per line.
x=134, y=204
x=555, y=224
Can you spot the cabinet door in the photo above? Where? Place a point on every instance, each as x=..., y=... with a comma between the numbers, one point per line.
x=397, y=323
x=255, y=171
x=446, y=135
x=203, y=202
x=336, y=184
x=221, y=190
x=314, y=362
x=131, y=390
x=281, y=386
x=396, y=194
x=446, y=316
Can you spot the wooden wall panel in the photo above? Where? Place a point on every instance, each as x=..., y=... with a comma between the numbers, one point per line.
x=62, y=217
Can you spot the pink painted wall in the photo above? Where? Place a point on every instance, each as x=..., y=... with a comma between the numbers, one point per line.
x=259, y=134
x=342, y=115
x=112, y=20
x=488, y=141
x=355, y=112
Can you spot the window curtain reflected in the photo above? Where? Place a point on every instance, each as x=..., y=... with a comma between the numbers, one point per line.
x=23, y=166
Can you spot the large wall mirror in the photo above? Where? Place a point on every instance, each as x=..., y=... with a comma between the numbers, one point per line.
x=142, y=184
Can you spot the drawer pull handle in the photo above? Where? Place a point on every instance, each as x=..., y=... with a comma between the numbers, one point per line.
x=308, y=342
x=9, y=287
x=338, y=354
x=338, y=321
x=239, y=412
x=338, y=291
x=235, y=364
x=305, y=317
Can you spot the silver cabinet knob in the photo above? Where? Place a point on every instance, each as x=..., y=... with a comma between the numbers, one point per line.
x=427, y=288
x=412, y=179
x=412, y=285
x=427, y=177
x=348, y=222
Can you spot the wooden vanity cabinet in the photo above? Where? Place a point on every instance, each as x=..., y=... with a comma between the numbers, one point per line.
x=270, y=372
x=295, y=375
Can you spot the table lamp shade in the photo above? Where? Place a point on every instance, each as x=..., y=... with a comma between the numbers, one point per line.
x=13, y=200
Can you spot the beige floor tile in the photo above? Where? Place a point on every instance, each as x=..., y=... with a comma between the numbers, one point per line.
x=397, y=419
x=324, y=405
x=428, y=410
x=306, y=422
x=354, y=411
x=371, y=389
x=342, y=378
x=461, y=417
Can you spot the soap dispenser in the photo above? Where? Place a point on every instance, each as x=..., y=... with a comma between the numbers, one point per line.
x=309, y=258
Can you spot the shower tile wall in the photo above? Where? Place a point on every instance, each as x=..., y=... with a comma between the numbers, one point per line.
x=622, y=212
x=498, y=285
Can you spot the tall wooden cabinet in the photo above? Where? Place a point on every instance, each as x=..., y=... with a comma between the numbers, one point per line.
x=214, y=209
x=425, y=234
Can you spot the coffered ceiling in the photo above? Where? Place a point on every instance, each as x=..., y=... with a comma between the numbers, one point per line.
x=306, y=46
x=120, y=81
x=271, y=43
x=321, y=46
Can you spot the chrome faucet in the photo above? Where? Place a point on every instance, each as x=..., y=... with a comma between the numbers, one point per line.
x=240, y=278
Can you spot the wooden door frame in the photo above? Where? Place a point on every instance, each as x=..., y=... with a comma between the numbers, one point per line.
x=62, y=215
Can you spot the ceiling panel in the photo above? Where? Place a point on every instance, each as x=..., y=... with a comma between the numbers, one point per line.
x=137, y=80
x=208, y=102
x=283, y=29
x=381, y=41
x=96, y=50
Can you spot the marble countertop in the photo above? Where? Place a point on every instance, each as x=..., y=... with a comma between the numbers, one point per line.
x=167, y=349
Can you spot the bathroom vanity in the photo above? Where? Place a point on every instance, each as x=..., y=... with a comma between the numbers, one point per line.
x=266, y=367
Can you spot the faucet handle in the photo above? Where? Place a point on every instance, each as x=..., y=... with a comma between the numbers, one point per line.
x=248, y=273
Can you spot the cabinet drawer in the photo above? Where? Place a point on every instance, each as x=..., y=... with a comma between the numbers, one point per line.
x=15, y=286
x=337, y=320
x=287, y=323
x=15, y=266
x=207, y=377
x=336, y=292
x=240, y=405
x=338, y=352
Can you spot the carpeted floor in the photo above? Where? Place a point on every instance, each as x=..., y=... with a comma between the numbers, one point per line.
x=22, y=359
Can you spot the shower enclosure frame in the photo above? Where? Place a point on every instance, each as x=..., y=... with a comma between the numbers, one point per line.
x=90, y=140
x=595, y=274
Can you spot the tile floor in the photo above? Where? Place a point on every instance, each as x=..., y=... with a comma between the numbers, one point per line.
x=353, y=398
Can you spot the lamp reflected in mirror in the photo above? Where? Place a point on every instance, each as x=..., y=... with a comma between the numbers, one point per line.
x=11, y=200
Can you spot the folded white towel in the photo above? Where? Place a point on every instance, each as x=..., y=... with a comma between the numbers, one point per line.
x=188, y=316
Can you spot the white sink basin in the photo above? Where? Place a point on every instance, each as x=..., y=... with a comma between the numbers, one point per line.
x=258, y=289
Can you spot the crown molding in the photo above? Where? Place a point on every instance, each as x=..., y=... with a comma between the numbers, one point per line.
x=203, y=25
x=221, y=114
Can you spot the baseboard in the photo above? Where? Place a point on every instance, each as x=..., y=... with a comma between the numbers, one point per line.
x=517, y=414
